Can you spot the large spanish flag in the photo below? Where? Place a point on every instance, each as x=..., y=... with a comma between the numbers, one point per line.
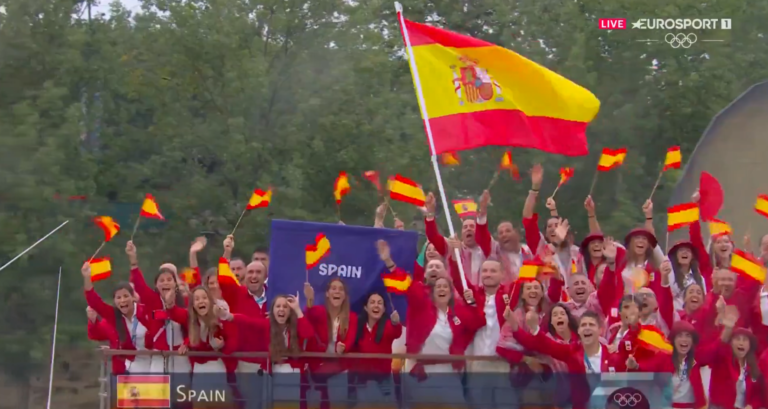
x=143, y=391
x=479, y=94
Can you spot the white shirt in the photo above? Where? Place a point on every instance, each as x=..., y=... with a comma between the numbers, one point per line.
x=256, y=298
x=741, y=388
x=678, y=293
x=515, y=259
x=596, y=361
x=332, y=342
x=656, y=258
x=619, y=337
x=764, y=306
x=487, y=337
x=439, y=340
x=478, y=257
x=136, y=331
x=682, y=391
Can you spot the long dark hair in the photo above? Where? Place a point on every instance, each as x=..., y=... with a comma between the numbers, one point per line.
x=679, y=276
x=277, y=347
x=688, y=358
x=572, y=323
x=362, y=320
x=119, y=328
x=179, y=297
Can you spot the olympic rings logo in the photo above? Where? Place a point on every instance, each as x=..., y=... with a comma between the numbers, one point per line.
x=627, y=399
x=680, y=40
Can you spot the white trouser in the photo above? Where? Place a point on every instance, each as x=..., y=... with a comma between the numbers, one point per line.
x=145, y=364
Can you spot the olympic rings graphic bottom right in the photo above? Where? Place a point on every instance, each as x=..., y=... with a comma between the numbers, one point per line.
x=680, y=40
x=627, y=398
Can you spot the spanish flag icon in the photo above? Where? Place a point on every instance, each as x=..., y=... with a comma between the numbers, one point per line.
x=143, y=391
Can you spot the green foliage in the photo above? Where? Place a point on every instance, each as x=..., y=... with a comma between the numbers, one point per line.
x=198, y=102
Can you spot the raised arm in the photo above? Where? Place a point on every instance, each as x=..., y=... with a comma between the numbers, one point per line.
x=149, y=297
x=537, y=176
x=430, y=227
x=607, y=293
x=104, y=310
x=702, y=255
x=589, y=206
x=381, y=212
x=482, y=233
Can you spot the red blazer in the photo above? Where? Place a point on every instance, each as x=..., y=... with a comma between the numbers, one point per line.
x=703, y=319
x=259, y=328
x=227, y=331
x=758, y=328
x=102, y=331
x=154, y=302
x=367, y=345
x=725, y=373
x=572, y=354
x=703, y=356
x=242, y=302
x=318, y=317
x=107, y=313
x=464, y=321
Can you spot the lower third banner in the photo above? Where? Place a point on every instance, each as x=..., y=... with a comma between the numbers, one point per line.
x=352, y=257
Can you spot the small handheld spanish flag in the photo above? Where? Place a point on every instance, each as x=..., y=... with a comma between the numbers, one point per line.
x=450, y=159
x=673, y=159
x=719, y=228
x=108, y=225
x=150, y=209
x=654, y=340
x=761, y=206
x=405, y=190
x=508, y=164
x=396, y=282
x=565, y=174
x=373, y=177
x=682, y=215
x=341, y=186
x=101, y=269
x=611, y=159
x=529, y=270
x=316, y=252
x=190, y=276
x=259, y=198
x=748, y=266
x=225, y=273
x=465, y=208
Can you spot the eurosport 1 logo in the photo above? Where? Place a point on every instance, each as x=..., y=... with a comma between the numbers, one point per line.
x=675, y=40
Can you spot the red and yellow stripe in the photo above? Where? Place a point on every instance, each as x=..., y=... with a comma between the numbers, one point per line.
x=523, y=103
x=682, y=215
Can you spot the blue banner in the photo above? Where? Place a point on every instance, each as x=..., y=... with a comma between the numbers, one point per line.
x=353, y=258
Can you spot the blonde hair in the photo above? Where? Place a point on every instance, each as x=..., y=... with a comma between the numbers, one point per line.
x=210, y=319
x=277, y=347
x=343, y=311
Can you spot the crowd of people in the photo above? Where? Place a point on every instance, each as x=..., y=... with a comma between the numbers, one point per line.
x=583, y=313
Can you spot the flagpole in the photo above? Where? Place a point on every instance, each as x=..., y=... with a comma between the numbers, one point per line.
x=53, y=346
x=136, y=227
x=239, y=220
x=103, y=243
x=495, y=178
x=428, y=128
x=656, y=185
x=594, y=182
x=32, y=246
x=555, y=192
